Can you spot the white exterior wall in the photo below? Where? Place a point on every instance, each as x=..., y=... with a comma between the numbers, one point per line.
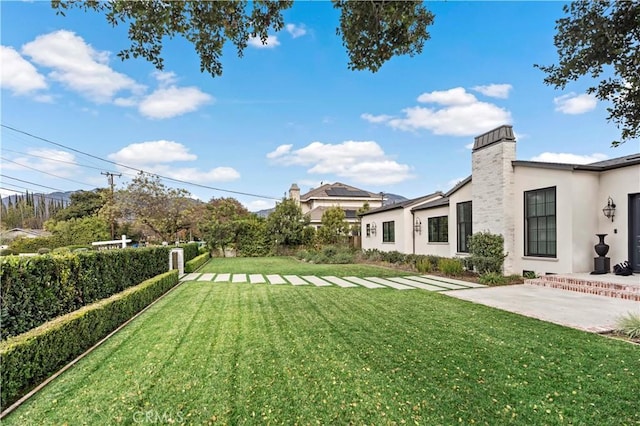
x=375, y=241
x=423, y=246
x=493, y=192
x=460, y=196
x=617, y=184
x=341, y=202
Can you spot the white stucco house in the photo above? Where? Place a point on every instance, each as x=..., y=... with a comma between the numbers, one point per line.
x=315, y=202
x=548, y=213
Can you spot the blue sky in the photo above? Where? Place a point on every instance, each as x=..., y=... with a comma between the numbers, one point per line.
x=290, y=111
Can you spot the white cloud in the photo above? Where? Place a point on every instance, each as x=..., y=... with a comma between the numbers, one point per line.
x=469, y=145
x=165, y=78
x=17, y=74
x=296, y=30
x=455, y=96
x=257, y=205
x=494, y=90
x=461, y=114
x=61, y=163
x=173, y=101
x=151, y=152
x=359, y=161
x=382, y=118
x=575, y=104
x=153, y=156
x=561, y=157
x=280, y=151
x=79, y=66
x=270, y=42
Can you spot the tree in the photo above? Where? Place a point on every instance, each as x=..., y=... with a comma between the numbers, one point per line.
x=602, y=39
x=286, y=224
x=372, y=31
x=147, y=201
x=82, y=204
x=335, y=228
x=224, y=224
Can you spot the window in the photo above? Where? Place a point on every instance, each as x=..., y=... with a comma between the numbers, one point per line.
x=388, y=232
x=368, y=227
x=439, y=229
x=463, y=222
x=540, y=222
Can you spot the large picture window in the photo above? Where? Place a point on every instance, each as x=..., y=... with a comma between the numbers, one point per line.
x=389, y=232
x=439, y=229
x=463, y=225
x=540, y=222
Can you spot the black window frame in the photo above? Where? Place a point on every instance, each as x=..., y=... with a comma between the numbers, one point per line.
x=464, y=225
x=438, y=229
x=542, y=222
x=389, y=231
x=368, y=229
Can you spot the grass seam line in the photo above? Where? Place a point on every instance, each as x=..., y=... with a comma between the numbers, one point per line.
x=55, y=375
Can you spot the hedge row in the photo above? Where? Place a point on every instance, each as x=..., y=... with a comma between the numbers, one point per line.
x=30, y=358
x=37, y=289
x=195, y=263
x=190, y=251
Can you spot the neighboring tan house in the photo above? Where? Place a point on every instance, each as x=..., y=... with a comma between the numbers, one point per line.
x=315, y=202
x=12, y=234
x=548, y=213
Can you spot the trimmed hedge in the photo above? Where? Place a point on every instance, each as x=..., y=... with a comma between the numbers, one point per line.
x=191, y=251
x=194, y=264
x=30, y=358
x=37, y=289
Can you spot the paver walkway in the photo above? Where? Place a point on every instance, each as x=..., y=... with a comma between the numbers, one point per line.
x=423, y=282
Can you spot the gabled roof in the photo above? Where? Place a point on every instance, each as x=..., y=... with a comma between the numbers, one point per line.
x=599, y=166
x=403, y=204
x=444, y=201
x=458, y=185
x=338, y=190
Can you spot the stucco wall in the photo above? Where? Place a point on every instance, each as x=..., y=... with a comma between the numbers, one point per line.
x=617, y=184
x=423, y=246
x=375, y=241
x=462, y=195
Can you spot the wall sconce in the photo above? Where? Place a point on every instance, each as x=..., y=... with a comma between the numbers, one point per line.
x=610, y=209
x=373, y=228
x=418, y=226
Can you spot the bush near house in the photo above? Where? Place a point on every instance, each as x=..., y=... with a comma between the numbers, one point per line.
x=450, y=267
x=328, y=255
x=486, y=253
x=196, y=262
x=30, y=358
x=37, y=289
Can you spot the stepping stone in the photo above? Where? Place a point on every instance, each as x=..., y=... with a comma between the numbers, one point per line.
x=206, y=277
x=239, y=278
x=316, y=281
x=390, y=283
x=222, y=278
x=454, y=281
x=295, y=280
x=339, y=282
x=276, y=279
x=442, y=285
x=417, y=284
x=256, y=279
x=363, y=283
x=191, y=277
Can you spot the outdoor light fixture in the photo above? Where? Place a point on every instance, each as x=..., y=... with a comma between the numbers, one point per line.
x=373, y=228
x=418, y=226
x=610, y=209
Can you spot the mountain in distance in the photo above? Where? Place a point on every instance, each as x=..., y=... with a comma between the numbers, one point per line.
x=65, y=197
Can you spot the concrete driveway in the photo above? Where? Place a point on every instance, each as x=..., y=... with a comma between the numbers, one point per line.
x=569, y=308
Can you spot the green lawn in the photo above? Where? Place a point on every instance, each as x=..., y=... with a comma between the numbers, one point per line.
x=292, y=266
x=253, y=354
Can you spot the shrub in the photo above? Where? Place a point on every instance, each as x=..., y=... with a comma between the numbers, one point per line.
x=530, y=275
x=328, y=254
x=450, y=267
x=486, y=252
x=492, y=278
x=44, y=250
x=37, y=289
x=33, y=356
x=373, y=255
x=190, y=251
x=423, y=265
x=394, y=257
x=629, y=325
x=7, y=252
x=195, y=263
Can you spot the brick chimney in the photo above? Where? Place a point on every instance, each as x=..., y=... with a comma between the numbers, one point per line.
x=294, y=193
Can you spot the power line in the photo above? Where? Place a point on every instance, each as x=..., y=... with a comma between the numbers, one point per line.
x=46, y=173
x=31, y=183
x=139, y=170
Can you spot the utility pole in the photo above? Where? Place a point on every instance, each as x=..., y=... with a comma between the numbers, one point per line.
x=110, y=176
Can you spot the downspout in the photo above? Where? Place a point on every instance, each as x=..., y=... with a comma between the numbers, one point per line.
x=413, y=232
